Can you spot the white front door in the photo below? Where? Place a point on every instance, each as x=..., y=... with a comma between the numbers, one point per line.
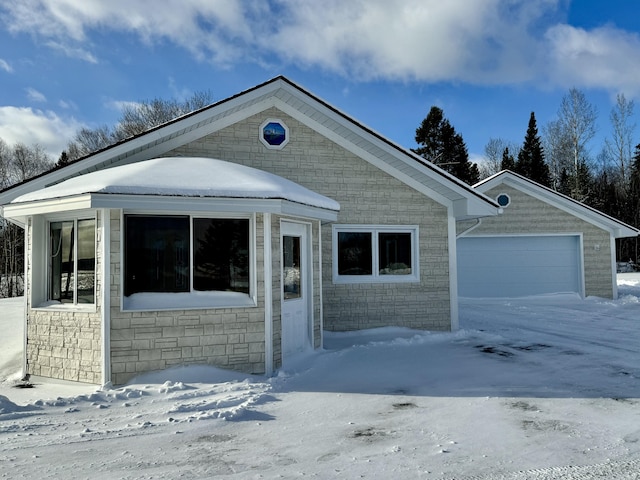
x=296, y=289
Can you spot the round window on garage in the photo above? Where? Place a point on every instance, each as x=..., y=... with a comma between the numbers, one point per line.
x=503, y=200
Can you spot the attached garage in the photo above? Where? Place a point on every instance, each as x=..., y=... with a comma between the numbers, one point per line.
x=517, y=266
x=542, y=243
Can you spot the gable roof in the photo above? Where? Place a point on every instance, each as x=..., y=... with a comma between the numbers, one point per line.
x=589, y=214
x=310, y=110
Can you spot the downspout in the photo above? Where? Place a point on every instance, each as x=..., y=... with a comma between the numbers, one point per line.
x=470, y=229
x=268, y=295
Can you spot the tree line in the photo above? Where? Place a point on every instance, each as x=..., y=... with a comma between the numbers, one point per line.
x=559, y=158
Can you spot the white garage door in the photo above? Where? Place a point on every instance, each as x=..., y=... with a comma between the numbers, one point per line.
x=518, y=266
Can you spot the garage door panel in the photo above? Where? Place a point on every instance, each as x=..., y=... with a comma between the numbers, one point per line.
x=518, y=266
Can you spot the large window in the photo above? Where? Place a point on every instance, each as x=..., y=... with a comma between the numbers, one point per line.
x=174, y=254
x=366, y=254
x=72, y=266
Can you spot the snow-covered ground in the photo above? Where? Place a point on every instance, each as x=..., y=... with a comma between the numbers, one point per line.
x=535, y=388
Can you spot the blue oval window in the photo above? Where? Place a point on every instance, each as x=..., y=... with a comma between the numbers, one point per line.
x=274, y=134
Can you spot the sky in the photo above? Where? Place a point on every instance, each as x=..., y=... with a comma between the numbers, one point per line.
x=68, y=64
x=532, y=388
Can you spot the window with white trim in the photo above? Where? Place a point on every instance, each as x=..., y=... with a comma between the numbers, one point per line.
x=72, y=261
x=375, y=253
x=187, y=254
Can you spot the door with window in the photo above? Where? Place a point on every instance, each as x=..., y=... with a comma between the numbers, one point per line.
x=296, y=289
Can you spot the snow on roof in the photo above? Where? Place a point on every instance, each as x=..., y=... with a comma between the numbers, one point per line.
x=184, y=177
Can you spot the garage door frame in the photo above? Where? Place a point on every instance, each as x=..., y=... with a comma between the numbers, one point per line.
x=579, y=257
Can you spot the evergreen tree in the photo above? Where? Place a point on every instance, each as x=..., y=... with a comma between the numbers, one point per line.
x=564, y=183
x=63, y=160
x=531, y=162
x=508, y=162
x=440, y=143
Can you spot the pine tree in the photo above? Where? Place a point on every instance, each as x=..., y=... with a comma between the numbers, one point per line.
x=531, y=162
x=508, y=162
x=63, y=160
x=440, y=143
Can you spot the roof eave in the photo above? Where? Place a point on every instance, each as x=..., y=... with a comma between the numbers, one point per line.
x=616, y=227
x=167, y=203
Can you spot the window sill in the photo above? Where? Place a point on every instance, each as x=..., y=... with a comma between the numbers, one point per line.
x=353, y=279
x=68, y=307
x=186, y=301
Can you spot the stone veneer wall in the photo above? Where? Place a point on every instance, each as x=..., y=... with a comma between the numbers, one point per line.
x=63, y=343
x=367, y=196
x=156, y=340
x=528, y=215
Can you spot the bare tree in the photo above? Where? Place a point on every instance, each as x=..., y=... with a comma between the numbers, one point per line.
x=619, y=147
x=135, y=118
x=558, y=148
x=576, y=120
x=28, y=162
x=17, y=163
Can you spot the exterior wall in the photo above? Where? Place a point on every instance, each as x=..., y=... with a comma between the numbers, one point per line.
x=367, y=196
x=528, y=215
x=232, y=338
x=62, y=343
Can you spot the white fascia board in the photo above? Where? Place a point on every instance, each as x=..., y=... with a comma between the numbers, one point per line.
x=201, y=204
x=306, y=211
x=40, y=207
x=573, y=207
x=154, y=203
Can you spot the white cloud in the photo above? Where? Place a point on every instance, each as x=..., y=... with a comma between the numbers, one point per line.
x=73, y=52
x=5, y=66
x=35, y=96
x=29, y=126
x=603, y=57
x=491, y=42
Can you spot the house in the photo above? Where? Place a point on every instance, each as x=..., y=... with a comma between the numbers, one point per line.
x=233, y=236
x=544, y=242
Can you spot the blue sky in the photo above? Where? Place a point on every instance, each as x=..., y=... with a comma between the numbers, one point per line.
x=65, y=64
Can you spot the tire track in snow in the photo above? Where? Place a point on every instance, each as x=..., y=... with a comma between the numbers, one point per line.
x=613, y=470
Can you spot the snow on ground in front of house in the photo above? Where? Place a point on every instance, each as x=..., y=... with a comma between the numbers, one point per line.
x=535, y=388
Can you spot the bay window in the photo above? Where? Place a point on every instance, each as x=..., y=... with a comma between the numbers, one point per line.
x=186, y=254
x=72, y=261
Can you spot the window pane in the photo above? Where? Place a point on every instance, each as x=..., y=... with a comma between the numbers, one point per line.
x=61, y=282
x=86, y=261
x=394, y=253
x=156, y=254
x=354, y=253
x=292, y=283
x=221, y=258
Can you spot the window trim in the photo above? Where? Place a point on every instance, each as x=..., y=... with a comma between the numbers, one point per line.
x=47, y=302
x=264, y=141
x=375, y=277
x=193, y=299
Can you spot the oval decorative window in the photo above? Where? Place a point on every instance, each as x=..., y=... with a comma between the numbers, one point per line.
x=274, y=133
x=503, y=200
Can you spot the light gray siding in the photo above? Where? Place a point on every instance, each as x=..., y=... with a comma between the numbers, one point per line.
x=367, y=196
